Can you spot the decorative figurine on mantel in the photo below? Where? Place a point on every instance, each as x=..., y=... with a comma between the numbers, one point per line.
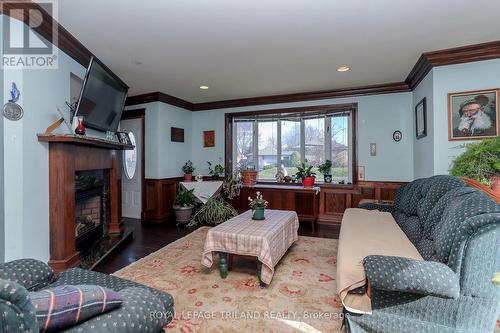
x=80, y=129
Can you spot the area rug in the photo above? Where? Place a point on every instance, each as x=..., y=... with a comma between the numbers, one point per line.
x=301, y=297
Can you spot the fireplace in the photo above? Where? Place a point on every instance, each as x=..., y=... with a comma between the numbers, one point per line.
x=84, y=172
x=91, y=208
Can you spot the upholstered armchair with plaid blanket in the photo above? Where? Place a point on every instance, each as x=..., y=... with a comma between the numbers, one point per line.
x=456, y=229
x=20, y=277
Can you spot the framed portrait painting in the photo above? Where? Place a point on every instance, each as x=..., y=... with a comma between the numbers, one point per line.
x=421, y=119
x=473, y=115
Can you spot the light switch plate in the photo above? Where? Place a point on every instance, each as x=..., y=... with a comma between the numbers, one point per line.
x=373, y=149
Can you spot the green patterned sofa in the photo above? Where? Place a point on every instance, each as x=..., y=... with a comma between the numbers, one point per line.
x=456, y=229
x=143, y=309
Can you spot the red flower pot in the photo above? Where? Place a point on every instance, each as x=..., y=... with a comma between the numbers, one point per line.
x=249, y=178
x=188, y=177
x=308, y=181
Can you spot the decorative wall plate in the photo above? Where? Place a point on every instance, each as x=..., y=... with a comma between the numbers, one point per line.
x=12, y=111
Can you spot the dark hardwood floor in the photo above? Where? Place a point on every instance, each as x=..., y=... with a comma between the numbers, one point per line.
x=149, y=237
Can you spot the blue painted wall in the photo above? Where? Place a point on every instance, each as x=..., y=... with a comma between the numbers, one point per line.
x=26, y=170
x=378, y=117
x=423, y=148
x=457, y=78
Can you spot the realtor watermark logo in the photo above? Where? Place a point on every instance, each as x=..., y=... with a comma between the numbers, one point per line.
x=29, y=33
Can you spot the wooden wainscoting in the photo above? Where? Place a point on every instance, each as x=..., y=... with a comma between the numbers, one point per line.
x=160, y=196
x=335, y=199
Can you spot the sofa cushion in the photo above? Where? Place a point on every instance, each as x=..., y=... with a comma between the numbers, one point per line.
x=409, y=202
x=30, y=273
x=81, y=276
x=433, y=190
x=426, y=248
x=363, y=233
x=460, y=219
x=435, y=215
x=411, y=227
x=64, y=306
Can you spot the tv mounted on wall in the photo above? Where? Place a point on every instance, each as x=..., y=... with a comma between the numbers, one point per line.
x=102, y=98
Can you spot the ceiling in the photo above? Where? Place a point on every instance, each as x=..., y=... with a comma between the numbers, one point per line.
x=263, y=47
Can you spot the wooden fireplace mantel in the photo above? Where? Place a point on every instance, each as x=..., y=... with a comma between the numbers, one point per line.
x=69, y=154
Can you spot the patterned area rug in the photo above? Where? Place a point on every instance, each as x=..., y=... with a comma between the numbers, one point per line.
x=301, y=297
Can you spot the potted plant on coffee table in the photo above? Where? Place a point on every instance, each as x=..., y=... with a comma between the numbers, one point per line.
x=188, y=170
x=326, y=170
x=481, y=162
x=248, y=174
x=183, y=205
x=258, y=206
x=306, y=174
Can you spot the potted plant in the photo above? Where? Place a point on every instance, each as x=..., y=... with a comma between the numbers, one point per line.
x=188, y=170
x=306, y=174
x=258, y=205
x=481, y=162
x=217, y=172
x=326, y=170
x=183, y=205
x=248, y=173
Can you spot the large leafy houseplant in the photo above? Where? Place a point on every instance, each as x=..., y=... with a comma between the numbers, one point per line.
x=480, y=161
x=183, y=205
x=215, y=211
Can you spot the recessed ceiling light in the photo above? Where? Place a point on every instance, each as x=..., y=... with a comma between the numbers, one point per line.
x=137, y=62
x=343, y=69
x=203, y=87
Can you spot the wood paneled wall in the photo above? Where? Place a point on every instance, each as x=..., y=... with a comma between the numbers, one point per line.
x=327, y=207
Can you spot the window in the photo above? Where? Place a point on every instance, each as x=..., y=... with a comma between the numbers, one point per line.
x=268, y=140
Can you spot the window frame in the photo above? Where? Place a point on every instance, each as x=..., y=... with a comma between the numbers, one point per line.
x=326, y=109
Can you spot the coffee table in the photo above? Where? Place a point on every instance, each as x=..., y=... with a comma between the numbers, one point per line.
x=267, y=240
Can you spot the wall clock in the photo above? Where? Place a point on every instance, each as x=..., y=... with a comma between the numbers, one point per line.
x=397, y=136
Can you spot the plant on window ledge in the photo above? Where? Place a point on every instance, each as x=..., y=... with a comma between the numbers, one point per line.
x=326, y=170
x=248, y=173
x=188, y=170
x=217, y=172
x=306, y=174
x=481, y=162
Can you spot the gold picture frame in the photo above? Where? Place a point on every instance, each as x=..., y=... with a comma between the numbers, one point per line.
x=473, y=115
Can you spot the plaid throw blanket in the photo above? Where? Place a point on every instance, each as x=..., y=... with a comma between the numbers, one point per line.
x=64, y=306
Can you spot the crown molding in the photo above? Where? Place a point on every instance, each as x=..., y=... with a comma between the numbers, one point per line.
x=158, y=97
x=377, y=89
x=456, y=55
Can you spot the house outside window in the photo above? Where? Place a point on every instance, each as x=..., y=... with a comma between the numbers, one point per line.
x=268, y=140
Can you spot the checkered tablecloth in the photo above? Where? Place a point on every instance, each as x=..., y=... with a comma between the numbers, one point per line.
x=268, y=240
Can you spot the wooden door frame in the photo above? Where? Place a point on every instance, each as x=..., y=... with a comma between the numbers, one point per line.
x=140, y=114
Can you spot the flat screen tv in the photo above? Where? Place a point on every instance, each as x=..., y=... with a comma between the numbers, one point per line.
x=102, y=98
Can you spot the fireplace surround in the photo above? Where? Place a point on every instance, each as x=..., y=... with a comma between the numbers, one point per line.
x=70, y=156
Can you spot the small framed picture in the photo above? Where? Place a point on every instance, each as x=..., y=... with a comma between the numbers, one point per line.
x=473, y=115
x=208, y=139
x=124, y=138
x=421, y=119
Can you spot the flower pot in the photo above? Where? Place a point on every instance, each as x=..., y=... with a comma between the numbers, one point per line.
x=327, y=178
x=188, y=177
x=308, y=181
x=183, y=214
x=258, y=213
x=249, y=178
